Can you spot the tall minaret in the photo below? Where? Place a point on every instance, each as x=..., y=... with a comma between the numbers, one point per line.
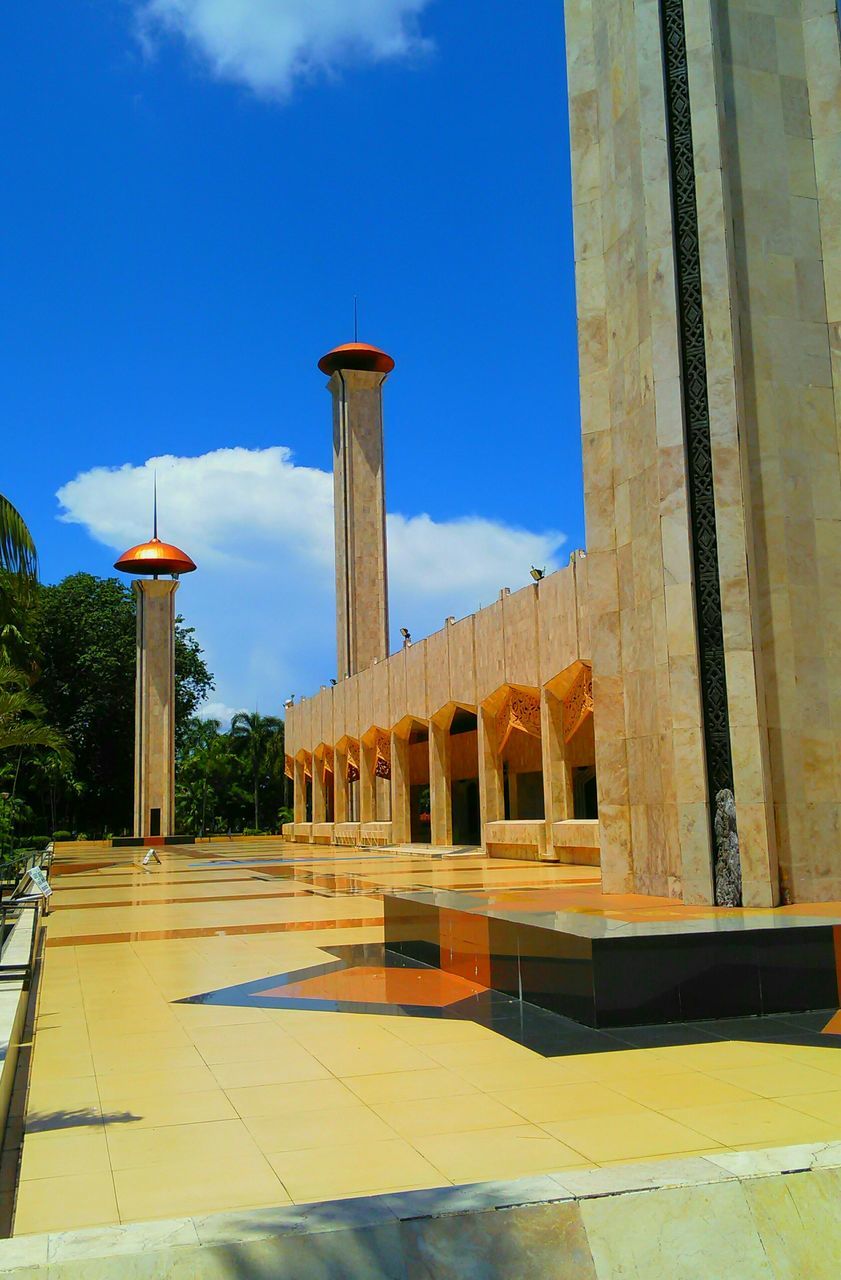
x=154, y=704
x=357, y=372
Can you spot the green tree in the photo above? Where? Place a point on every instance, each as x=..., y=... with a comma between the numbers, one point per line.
x=261, y=741
x=83, y=634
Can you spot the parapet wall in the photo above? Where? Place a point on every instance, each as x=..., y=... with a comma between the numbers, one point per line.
x=525, y=638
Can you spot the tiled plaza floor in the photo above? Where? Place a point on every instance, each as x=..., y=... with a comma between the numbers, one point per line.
x=143, y=1106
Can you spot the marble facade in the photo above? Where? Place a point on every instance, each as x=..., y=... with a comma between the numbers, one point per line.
x=705, y=146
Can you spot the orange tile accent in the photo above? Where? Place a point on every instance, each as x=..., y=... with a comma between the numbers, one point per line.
x=155, y=935
x=378, y=985
x=465, y=945
x=833, y=1027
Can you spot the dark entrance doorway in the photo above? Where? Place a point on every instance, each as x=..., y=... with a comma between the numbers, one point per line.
x=464, y=761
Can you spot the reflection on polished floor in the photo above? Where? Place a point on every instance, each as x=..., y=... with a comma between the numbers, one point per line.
x=225, y=1030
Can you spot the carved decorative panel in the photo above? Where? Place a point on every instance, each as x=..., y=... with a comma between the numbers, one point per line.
x=382, y=768
x=353, y=761
x=696, y=404
x=289, y=766
x=578, y=704
x=327, y=760
x=521, y=712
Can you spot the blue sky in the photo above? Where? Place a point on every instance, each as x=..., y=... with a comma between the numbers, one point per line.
x=190, y=207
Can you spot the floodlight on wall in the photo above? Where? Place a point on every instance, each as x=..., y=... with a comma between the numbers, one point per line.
x=407, y=638
x=538, y=574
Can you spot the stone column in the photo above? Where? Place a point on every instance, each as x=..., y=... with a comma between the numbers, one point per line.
x=491, y=789
x=300, y=792
x=154, y=720
x=401, y=814
x=319, y=791
x=367, y=779
x=440, y=783
x=557, y=783
x=341, y=793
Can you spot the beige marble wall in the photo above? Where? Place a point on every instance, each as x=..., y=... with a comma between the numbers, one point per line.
x=653, y=824
x=789, y=77
x=154, y=721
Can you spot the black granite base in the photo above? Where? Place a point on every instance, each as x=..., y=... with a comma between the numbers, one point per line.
x=610, y=976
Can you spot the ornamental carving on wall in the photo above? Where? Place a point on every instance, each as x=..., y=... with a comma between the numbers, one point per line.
x=353, y=762
x=382, y=768
x=578, y=704
x=307, y=765
x=521, y=712
x=289, y=766
x=327, y=760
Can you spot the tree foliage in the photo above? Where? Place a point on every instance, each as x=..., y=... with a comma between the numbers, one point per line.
x=83, y=637
x=226, y=780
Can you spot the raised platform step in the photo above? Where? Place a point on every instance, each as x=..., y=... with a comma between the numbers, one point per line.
x=609, y=968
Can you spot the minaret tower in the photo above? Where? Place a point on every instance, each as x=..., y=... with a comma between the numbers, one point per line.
x=154, y=701
x=357, y=372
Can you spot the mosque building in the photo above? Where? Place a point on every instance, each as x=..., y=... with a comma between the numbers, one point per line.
x=669, y=704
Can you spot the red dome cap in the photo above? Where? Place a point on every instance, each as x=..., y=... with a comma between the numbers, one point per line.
x=356, y=355
x=154, y=557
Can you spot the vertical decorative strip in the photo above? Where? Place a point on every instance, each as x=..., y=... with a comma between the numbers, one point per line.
x=699, y=451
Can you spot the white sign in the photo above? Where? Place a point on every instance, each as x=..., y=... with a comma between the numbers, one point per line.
x=40, y=881
x=151, y=856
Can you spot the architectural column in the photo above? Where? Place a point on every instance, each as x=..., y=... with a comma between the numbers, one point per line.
x=557, y=782
x=401, y=813
x=319, y=791
x=341, y=787
x=491, y=790
x=440, y=783
x=367, y=779
x=300, y=792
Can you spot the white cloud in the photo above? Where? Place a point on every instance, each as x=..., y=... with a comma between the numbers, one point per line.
x=270, y=45
x=219, y=711
x=260, y=529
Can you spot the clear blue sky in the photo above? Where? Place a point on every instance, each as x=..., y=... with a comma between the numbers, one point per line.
x=178, y=251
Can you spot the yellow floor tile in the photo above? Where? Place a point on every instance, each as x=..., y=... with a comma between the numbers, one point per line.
x=684, y=1089
x=65, y=1203
x=219, y=1141
x=187, y=1187
x=766, y=1122
x=325, y=1172
x=823, y=1106
x=291, y=1098
x=566, y=1102
x=219, y=1046
x=62, y=1152
x=157, y=1110
x=498, y=1052
x=326, y=1128
x=407, y=1086
x=46, y=1096
x=446, y=1115
x=627, y=1137
x=779, y=1078
x=719, y=1055
x=115, y=1085
x=353, y=1057
x=490, y=1154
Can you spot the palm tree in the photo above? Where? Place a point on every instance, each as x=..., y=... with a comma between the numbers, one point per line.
x=17, y=549
x=259, y=737
x=21, y=716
